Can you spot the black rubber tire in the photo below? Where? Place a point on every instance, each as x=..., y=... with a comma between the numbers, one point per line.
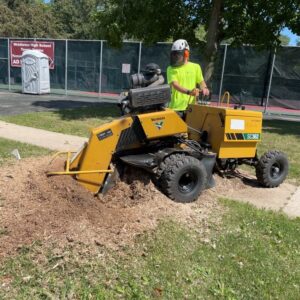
x=272, y=169
x=182, y=178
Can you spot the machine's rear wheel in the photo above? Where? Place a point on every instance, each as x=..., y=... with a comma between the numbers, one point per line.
x=182, y=177
x=272, y=169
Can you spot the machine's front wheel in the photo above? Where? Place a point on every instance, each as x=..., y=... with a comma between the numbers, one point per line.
x=272, y=169
x=182, y=178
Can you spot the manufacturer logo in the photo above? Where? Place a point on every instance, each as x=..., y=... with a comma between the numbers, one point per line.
x=243, y=136
x=251, y=136
x=159, y=125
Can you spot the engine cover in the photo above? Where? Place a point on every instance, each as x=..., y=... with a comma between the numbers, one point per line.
x=149, y=96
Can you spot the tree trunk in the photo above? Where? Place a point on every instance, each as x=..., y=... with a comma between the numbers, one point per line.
x=212, y=38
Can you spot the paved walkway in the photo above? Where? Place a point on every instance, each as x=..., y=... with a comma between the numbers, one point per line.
x=285, y=198
x=40, y=137
x=292, y=208
x=17, y=103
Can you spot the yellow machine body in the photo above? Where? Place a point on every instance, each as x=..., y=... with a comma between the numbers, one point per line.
x=92, y=162
x=181, y=154
x=162, y=124
x=232, y=133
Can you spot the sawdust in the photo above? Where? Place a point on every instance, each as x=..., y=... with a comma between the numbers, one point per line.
x=57, y=210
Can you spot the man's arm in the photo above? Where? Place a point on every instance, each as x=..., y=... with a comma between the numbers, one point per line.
x=204, y=88
x=194, y=92
x=179, y=88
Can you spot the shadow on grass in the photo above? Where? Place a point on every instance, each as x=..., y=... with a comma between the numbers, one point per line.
x=282, y=127
x=74, y=110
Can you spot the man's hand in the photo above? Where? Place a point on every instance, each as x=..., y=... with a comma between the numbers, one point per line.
x=195, y=92
x=205, y=91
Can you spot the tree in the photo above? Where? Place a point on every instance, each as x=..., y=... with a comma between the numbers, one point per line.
x=298, y=42
x=254, y=22
x=12, y=4
x=284, y=40
x=75, y=17
x=27, y=19
x=9, y=23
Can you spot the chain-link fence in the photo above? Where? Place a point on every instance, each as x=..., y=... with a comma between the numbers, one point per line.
x=261, y=78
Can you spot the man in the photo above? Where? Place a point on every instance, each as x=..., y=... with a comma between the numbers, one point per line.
x=184, y=76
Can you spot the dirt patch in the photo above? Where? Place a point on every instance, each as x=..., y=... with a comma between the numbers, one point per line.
x=57, y=210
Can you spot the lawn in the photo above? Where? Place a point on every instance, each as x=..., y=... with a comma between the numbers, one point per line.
x=281, y=135
x=70, y=121
x=25, y=150
x=251, y=254
x=284, y=136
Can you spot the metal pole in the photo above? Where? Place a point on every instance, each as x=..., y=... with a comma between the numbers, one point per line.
x=66, y=68
x=222, y=75
x=100, y=69
x=8, y=63
x=270, y=81
x=140, y=55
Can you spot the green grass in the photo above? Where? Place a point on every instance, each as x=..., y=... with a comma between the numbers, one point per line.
x=252, y=254
x=283, y=136
x=68, y=121
x=25, y=150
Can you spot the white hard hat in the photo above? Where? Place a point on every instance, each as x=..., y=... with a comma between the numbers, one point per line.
x=180, y=45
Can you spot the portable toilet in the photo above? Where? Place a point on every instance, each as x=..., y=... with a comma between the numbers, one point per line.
x=35, y=72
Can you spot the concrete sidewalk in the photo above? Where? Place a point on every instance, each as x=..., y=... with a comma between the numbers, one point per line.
x=39, y=137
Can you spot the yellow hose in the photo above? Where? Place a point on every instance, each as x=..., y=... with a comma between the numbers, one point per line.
x=228, y=98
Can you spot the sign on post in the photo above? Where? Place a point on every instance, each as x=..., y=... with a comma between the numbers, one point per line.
x=125, y=68
x=18, y=47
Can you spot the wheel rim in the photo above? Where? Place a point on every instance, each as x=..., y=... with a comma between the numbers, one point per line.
x=187, y=182
x=276, y=170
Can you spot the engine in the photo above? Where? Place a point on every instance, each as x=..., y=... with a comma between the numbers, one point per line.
x=147, y=93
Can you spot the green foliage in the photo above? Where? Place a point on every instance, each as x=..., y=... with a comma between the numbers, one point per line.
x=27, y=19
x=284, y=40
x=75, y=17
x=200, y=33
x=253, y=254
x=60, y=18
x=250, y=22
x=149, y=21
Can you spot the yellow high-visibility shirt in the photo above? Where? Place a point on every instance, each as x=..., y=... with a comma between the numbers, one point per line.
x=187, y=75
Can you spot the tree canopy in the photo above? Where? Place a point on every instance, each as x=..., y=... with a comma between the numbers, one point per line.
x=249, y=22
x=253, y=22
x=75, y=17
x=57, y=19
x=204, y=23
x=284, y=40
x=27, y=19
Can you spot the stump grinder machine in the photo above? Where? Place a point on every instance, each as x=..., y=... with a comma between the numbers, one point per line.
x=181, y=154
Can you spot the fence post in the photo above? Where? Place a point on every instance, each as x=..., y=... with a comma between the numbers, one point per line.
x=270, y=81
x=222, y=74
x=66, y=68
x=100, y=69
x=8, y=63
x=140, y=54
